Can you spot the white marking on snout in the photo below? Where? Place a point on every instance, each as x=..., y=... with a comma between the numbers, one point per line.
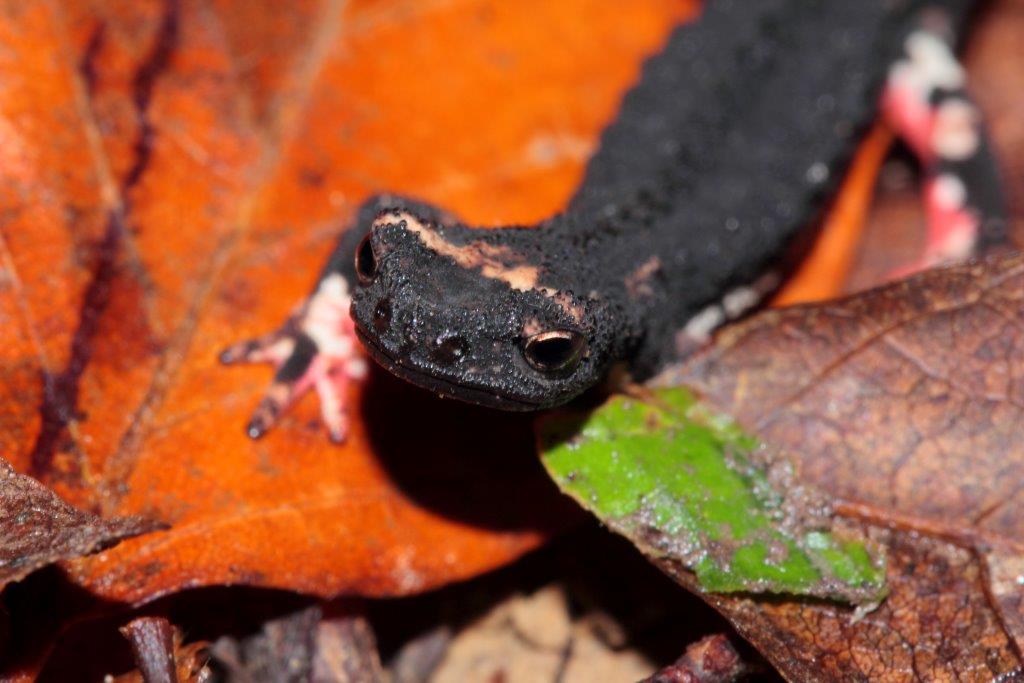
x=495, y=262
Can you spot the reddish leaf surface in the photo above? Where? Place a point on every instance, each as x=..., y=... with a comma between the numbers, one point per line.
x=906, y=403
x=175, y=172
x=909, y=398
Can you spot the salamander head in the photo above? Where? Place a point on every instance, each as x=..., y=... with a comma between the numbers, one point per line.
x=461, y=312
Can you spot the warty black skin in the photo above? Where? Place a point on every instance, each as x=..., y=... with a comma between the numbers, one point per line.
x=731, y=144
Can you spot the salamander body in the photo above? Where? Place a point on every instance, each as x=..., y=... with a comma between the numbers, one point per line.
x=720, y=161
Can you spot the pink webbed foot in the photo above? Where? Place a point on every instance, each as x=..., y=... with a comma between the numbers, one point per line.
x=316, y=349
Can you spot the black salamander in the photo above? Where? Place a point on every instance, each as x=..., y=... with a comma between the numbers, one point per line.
x=720, y=159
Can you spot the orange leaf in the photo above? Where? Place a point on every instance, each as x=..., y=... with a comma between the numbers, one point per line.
x=174, y=173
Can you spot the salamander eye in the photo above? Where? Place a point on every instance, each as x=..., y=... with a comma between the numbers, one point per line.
x=555, y=351
x=366, y=261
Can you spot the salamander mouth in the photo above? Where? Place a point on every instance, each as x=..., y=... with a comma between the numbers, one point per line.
x=442, y=387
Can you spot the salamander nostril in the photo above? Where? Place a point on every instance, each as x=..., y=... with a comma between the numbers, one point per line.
x=382, y=315
x=366, y=262
x=449, y=349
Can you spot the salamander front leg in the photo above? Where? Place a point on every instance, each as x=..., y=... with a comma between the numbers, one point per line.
x=316, y=348
x=927, y=103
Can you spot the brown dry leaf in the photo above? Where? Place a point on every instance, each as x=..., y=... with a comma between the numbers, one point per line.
x=521, y=638
x=347, y=652
x=38, y=528
x=160, y=655
x=908, y=398
x=712, y=659
x=937, y=623
x=303, y=646
x=174, y=174
x=907, y=404
x=190, y=660
x=283, y=649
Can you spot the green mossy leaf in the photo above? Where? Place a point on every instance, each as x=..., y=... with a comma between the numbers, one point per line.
x=685, y=483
